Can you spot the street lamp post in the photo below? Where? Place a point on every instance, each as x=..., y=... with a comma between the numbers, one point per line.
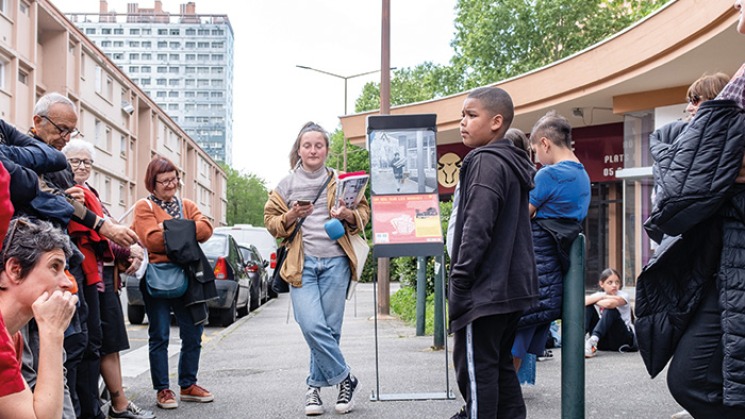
x=345, y=78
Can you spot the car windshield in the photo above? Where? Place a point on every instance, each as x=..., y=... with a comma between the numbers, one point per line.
x=217, y=245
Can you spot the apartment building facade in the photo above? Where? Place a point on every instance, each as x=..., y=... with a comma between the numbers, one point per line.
x=41, y=51
x=183, y=61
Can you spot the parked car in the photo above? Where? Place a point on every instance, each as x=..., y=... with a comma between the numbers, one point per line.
x=246, y=234
x=231, y=280
x=256, y=268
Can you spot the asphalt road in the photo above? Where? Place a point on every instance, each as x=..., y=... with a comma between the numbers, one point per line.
x=256, y=368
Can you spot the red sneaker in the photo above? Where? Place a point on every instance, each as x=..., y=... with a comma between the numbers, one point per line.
x=195, y=393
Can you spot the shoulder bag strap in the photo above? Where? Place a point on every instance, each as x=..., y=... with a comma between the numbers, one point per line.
x=300, y=223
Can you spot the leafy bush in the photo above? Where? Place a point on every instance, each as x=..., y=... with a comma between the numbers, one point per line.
x=403, y=303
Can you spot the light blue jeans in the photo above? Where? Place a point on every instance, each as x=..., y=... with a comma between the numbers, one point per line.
x=319, y=310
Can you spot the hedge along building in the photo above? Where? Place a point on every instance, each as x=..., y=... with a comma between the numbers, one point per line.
x=614, y=94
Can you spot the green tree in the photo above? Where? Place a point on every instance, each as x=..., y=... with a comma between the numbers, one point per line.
x=246, y=194
x=498, y=39
x=495, y=40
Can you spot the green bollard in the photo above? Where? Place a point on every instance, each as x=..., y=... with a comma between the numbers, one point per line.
x=421, y=294
x=439, y=342
x=573, y=335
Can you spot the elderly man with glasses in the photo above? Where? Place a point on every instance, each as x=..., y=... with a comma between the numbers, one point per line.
x=55, y=120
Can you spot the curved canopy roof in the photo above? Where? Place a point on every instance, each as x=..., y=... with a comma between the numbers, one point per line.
x=650, y=64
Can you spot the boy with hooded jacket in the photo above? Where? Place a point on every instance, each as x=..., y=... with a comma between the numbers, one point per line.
x=493, y=275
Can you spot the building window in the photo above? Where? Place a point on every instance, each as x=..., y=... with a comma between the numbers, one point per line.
x=190, y=82
x=217, y=57
x=162, y=31
x=90, y=31
x=134, y=44
x=191, y=57
x=173, y=82
x=147, y=44
x=23, y=77
x=134, y=56
x=217, y=70
x=173, y=106
x=117, y=56
x=218, y=32
x=203, y=70
x=189, y=106
x=216, y=94
x=118, y=44
x=145, y=82
x=203, y=44
x=175, y=32
x=191, y=32
x=173, y=93
x=162, y=44
x=3, y=69
x=216, y=83
x=145, y=68
x=160, y=94
x=133, y=68
x=203, y=57
x=147, y=31
x=105, y=44
x=173, y=57
x=218, y=45
x=134, y=31
x=190, y=70
x=190, y=45
x=105, y=31
x=189, y=93
x=203, y=94
x=23, y=7
x=160, y=82
x=173, y=70
x=161, y=57
x=118, y=31
x=122, y=148
x=203, y=83
x=162, y=69
x=174, y=45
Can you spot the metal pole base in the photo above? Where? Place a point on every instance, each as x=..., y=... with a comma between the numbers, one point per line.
x=396, y=397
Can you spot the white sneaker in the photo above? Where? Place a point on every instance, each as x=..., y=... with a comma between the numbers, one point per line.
x=313, y=403
x=591, y=347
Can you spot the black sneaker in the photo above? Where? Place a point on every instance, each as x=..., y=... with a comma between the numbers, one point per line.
x=462, y=414
x=344, y=402
x=313, y=403
x=131, y=412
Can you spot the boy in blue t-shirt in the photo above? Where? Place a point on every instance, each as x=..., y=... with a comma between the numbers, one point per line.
x=558, y=205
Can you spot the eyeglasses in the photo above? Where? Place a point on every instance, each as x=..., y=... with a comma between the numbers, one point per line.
x=64, y=132
x=694, y=100
x=169, y=182
x=77, y=162
x=9, y=238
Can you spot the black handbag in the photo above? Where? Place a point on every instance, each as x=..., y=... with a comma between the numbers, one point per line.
x=279, y=285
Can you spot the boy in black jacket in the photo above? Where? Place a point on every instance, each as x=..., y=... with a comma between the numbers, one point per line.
x=493, y=276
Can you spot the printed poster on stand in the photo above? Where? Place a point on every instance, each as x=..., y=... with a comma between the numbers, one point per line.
x=404, y=192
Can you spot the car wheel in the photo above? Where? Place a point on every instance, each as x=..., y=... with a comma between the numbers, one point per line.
x=255, y=296
x=242, y=311
x=136, y=314
x=228, y=316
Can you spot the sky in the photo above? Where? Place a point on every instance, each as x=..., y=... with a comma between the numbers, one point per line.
x=272, y=97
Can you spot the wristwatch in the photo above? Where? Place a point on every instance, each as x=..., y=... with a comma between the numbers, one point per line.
x=99, y=224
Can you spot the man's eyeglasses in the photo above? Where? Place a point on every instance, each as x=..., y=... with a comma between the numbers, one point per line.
x=77, y=162
x=64, y=132
x=9, y=238
x=169, y=182
x=694, y=100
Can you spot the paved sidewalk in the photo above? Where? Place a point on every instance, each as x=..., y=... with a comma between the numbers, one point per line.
x=257, y=367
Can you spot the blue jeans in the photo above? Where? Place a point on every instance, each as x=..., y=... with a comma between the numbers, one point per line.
x=319, y=310
x=158, y=313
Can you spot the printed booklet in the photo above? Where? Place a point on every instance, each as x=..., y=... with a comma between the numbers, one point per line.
x=351, y=188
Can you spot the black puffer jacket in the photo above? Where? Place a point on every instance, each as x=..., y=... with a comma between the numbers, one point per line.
x=702, y=211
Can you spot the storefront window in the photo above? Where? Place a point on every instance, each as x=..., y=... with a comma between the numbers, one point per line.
x=638, y=189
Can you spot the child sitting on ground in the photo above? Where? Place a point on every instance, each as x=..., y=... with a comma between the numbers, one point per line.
x=608, y=317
